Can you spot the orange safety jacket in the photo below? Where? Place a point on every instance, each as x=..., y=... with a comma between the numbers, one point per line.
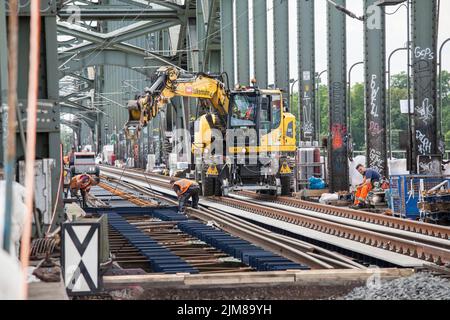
x=76, y=183
x=184, y=185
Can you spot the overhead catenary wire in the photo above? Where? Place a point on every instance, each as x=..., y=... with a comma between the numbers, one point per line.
x=33, y=88
x=103, y=45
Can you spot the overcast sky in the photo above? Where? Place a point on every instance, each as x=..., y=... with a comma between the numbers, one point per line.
x=395, y=37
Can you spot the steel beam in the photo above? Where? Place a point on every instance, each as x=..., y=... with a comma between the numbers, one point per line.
x=48, y=126
x=110, y=57
x=200, y=23
x=281, y=44
x=227, y=39
x=375, y=87
x=425, y=138
x=194, y=53
x=260, y=53
x=242, y=42
x=306, y=71
x=120, y=13
x=337, y=80
x=212, y=37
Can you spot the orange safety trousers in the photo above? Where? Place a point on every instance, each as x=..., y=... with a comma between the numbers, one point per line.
x=362, y=192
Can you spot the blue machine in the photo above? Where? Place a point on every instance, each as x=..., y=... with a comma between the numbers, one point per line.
x=404, y=193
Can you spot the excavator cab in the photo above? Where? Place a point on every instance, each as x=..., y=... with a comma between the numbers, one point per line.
x=262, y=142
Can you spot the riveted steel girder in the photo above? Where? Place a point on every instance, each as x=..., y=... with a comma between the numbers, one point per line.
x=306, y=71
x=121, y=13
x=242, y=42
x=425, y=139
x=48, y=117
x=281, y=44
x=227, y=39
x=337, y=80
x=375, y=84
x=260, y=52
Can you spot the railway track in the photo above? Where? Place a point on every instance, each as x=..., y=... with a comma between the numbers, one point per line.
x=426, y=229
x=373, y=218
x=293, y=249
x=420, y=241
x=415, y=249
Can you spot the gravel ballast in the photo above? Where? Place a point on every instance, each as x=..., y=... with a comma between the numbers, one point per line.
x=420, y=286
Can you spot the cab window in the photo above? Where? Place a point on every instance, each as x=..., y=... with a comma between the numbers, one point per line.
x=276, y=111
x=243, y=110
x=265, y=115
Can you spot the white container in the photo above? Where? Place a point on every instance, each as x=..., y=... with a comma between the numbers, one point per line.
x=43, y=186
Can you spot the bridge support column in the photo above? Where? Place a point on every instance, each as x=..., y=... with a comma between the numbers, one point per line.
x=375, y=87
x=337, y=80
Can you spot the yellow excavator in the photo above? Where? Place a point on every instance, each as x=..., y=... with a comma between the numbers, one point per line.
x=243, y=141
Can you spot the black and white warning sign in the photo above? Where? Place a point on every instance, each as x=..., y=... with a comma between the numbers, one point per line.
x=80, y=257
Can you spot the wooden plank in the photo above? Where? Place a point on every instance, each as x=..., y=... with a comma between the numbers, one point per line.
x=275, y=277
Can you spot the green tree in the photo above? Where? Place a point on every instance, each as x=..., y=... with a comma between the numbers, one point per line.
x=398, y=120
x=446, y=107
x=357, y=117
x=66, y=139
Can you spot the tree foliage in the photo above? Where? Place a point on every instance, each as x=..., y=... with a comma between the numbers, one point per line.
x=399, y=121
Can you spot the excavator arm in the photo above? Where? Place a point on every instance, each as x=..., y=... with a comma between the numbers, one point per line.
x=172, y=83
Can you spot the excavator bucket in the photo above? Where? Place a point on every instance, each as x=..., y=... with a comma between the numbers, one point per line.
x=134, y=120
x=134, y=112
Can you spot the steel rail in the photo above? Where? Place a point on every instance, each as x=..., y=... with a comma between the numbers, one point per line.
x=313, y=250
x=363, y=216
x=435, y=241
x=292, y=249
x=394, y=244
x=309, y=249
x=422, y=228
x=398, y=245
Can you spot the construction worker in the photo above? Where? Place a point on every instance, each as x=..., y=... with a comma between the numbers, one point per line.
x=370, y=177
x=71, y=156
x=82, y=183
x=186, y=189
x=66, y=161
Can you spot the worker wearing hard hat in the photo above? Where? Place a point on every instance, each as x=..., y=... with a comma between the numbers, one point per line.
x=370, y=177
x=82, y=183
x=186, y=189
x=66, y=161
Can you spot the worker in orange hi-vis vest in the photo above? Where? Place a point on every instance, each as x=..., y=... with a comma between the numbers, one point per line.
x=186, y=189
x=370, y=177
x=82, y=183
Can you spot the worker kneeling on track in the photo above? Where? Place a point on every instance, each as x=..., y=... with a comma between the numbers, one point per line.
x=186, y=189
x=82, y=183
x=370, y=177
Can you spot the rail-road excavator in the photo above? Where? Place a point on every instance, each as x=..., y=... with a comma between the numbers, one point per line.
x=244, y=140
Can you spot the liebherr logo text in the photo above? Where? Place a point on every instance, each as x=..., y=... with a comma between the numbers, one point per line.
x=230, y=310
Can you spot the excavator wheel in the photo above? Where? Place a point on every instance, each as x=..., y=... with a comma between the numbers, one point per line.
x=286, y=182
x=217, y=188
